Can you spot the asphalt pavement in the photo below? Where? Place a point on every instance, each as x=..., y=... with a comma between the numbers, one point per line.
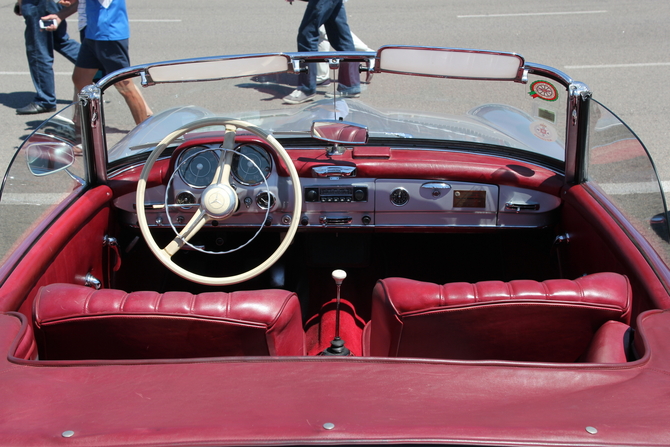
x=619, y=48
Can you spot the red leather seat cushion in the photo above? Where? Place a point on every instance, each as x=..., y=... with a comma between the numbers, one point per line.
x=76, y=322
x=522, y=320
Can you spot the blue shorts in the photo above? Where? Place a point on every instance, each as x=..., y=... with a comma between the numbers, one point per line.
x=105, y=55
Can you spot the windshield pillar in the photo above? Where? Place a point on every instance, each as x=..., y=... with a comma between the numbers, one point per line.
x=576, y=135
x=92, y=132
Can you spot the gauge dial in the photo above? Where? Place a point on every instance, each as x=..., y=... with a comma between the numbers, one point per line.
x=185, y=198
x=399, y=197
x=251, y=164
x=197, y=166
x=265, y=200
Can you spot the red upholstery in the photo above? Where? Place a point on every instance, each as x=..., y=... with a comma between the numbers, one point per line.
x=610, y=344
x=523, y=320
x=75, y=322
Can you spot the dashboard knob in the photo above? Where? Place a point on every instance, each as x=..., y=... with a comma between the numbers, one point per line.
x=304, y=221
x=311, y=195
x=366, y=220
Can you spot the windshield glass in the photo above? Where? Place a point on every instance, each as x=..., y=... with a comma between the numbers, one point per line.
x=46, y=170
x=620, y=166
x=528, y=116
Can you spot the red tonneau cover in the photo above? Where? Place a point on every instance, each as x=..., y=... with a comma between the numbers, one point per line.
x=270, y=401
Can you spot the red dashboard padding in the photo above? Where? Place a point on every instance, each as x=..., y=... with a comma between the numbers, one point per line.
x=550, y=321
x=74, y=322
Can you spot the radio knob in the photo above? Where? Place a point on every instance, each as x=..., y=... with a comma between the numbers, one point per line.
x=312, y=195
x=359, y=195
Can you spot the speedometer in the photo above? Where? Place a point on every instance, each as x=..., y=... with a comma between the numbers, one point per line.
x=197, y=166
x=251, y=164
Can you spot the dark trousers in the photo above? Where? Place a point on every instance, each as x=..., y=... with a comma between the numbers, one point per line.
x=330, y=14
x=40, y=47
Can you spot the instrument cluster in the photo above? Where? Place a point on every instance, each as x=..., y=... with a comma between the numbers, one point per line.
x=251, y=165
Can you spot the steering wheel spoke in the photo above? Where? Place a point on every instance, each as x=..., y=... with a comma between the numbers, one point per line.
x=194, y=225
x=222, y=175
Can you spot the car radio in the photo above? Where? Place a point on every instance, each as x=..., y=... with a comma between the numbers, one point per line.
x=327, y=194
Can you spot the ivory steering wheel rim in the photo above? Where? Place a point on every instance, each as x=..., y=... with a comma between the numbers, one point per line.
x=165, y=257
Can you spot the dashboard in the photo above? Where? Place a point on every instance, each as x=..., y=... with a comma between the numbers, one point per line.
x=333, y=194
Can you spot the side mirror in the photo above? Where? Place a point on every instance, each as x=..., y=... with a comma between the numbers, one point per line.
x=48, y=156
x=340, y=132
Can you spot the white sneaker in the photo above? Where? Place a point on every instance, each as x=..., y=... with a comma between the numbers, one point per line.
x=343, y=95
x=298, y=97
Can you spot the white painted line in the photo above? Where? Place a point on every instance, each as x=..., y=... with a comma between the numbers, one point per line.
x=155, y=20
x=647, y=64
x=530, y=14
x=616, y=189
x=24, y=73
x=33, y=199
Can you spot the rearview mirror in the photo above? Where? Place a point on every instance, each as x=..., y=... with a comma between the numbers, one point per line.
x=47, y=157
x=341, y=132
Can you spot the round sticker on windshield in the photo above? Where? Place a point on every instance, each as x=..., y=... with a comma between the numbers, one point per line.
x=543, y=90
x=543, y=131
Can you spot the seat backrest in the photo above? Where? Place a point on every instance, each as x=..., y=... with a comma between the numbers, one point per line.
x=74, y=322
x=524, y=320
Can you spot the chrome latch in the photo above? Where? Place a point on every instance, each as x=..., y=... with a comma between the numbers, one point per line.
x=518, y=207
x=92, y=281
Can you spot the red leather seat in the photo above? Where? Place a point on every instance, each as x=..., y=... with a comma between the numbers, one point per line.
x=75, y=322
x=552, y=321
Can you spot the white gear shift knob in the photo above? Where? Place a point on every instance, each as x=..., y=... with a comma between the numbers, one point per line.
x=338, y=276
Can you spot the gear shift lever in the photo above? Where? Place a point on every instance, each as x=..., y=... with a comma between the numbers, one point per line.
x=337, y=344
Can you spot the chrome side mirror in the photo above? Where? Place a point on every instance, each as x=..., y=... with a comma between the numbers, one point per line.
x=48, y=156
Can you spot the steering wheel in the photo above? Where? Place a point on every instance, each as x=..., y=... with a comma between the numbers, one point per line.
x=218, y=201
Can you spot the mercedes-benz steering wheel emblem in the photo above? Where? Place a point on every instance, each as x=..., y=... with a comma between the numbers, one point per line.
x=215, y=200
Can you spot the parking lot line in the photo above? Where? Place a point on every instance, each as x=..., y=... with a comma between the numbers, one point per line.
x=527, y=14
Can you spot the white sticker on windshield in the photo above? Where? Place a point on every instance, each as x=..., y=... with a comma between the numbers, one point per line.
x=543, y=131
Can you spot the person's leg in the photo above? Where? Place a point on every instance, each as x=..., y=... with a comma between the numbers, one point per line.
x=316, y=12
x=136, y=103
x=322, y=71
x=113, y=55
x=85, y=67
x=81, y=77
x=69, y=48
x=39, y=50
x=339, y=36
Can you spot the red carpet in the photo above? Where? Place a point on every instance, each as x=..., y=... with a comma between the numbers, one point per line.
x=320, y=329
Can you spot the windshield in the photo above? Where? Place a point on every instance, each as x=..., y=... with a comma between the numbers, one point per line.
x=620, y=166
x=528, y=117
x=45, y=173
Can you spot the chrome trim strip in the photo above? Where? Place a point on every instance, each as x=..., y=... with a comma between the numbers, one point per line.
x=334, y=171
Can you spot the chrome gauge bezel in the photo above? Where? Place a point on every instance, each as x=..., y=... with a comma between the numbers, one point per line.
x=186, y=205
x=399, y=196
x=260, y=200
x=262, y=152
x=188, y=156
